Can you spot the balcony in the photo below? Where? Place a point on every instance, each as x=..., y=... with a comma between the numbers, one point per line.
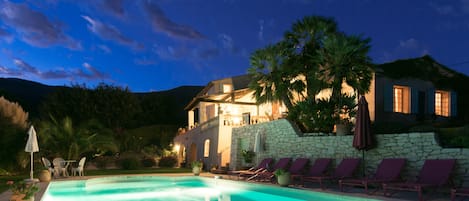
x=225, y=120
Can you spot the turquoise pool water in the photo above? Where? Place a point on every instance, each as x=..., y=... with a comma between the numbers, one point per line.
x=157, y=188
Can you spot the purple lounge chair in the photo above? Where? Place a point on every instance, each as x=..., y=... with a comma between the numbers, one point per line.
x=319, y=168
x=434, y=174
x=345, y=169
x=462, y=192
x=389, y=170
x=264, y=164
x=268, y=173
x=298, y=166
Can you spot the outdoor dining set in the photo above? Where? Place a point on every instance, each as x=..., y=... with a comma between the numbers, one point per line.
x=60, y=167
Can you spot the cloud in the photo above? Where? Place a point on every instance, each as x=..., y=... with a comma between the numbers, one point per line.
x=227, y=41
x=406, y=49
x=261, y=30
x=105, y=49
x=161, y=23
x=145, y=62
x=115, y=7
x=455, y=9
x=34, y=27
x=170, y=52
x=6, y=36
x=108, y=32
x=409, y=43
x=25, y=67
x=92, y=73
x=9, y=72
x=56, y=74
x=442, y=9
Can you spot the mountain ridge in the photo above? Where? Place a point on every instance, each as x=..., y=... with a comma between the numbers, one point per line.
x=30, y=94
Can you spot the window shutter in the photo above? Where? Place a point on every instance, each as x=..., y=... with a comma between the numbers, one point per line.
x=454, y=104
x=414, y=101
x=431, y=101
x=388, y=96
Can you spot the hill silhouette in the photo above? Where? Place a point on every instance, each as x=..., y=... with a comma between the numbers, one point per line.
x=30, y=95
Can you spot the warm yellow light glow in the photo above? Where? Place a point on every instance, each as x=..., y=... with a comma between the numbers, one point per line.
x=176, y=148
x=442, y=101
x=236, y=120
x=401, y=99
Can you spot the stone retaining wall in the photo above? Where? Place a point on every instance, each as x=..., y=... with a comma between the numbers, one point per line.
x=281, y=140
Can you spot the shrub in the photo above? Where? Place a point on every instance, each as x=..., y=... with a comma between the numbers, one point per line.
x=102, y=162
x=13, y=112
x=148, y=162
x=167, y=161
x=457, y=137
x=130, y=163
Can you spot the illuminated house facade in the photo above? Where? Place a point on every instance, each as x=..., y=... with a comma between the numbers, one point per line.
x=220, y=106
x=412, y=90
x=227, y=103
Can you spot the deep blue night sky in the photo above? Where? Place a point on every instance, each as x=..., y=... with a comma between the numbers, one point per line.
x=162, y=44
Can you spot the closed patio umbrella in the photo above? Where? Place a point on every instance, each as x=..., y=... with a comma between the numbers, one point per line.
x=31, y=147
x=258, y=146
x=258, y=143
x=363, y=138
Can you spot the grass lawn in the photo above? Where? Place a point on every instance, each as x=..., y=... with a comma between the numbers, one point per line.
x=4, y=179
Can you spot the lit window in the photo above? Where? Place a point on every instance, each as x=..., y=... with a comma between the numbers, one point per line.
x=401, y=99
x=227, y=88
x=442, y=102
x=206, y=148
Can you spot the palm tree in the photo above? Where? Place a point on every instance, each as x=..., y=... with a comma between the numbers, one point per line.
x=344, y=59
x=270, y=81
x=284, y=71
x=61, y=138
x=304, y=40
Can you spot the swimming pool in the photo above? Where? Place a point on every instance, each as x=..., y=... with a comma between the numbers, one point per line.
x=158, y=188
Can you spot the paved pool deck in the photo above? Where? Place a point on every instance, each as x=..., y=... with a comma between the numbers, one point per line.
x=400, y=196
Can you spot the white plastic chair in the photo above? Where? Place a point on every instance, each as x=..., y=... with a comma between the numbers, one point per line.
x=47, y=165
x=60, y=167
x=79, y=169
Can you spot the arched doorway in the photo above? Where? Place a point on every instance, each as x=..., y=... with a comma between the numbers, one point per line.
x=192, y=153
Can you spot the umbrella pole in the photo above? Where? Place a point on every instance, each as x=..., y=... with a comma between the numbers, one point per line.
x=31, y=172
x=364, y=162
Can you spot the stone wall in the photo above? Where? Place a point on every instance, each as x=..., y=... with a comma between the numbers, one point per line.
x=280, y=139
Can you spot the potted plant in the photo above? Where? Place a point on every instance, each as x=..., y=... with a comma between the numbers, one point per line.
x=283, y=177
x=22, y=190
x=44, y=175
x=248, y=156
x=196, y=167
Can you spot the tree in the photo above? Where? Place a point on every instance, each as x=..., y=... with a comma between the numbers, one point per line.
x=75, y=102
x=285, y=71
x=61, y=138
x=13, y=123
x=115, y=106
x=270, y=80
x=344, y=59
x=312, y=56
x=304, y=39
